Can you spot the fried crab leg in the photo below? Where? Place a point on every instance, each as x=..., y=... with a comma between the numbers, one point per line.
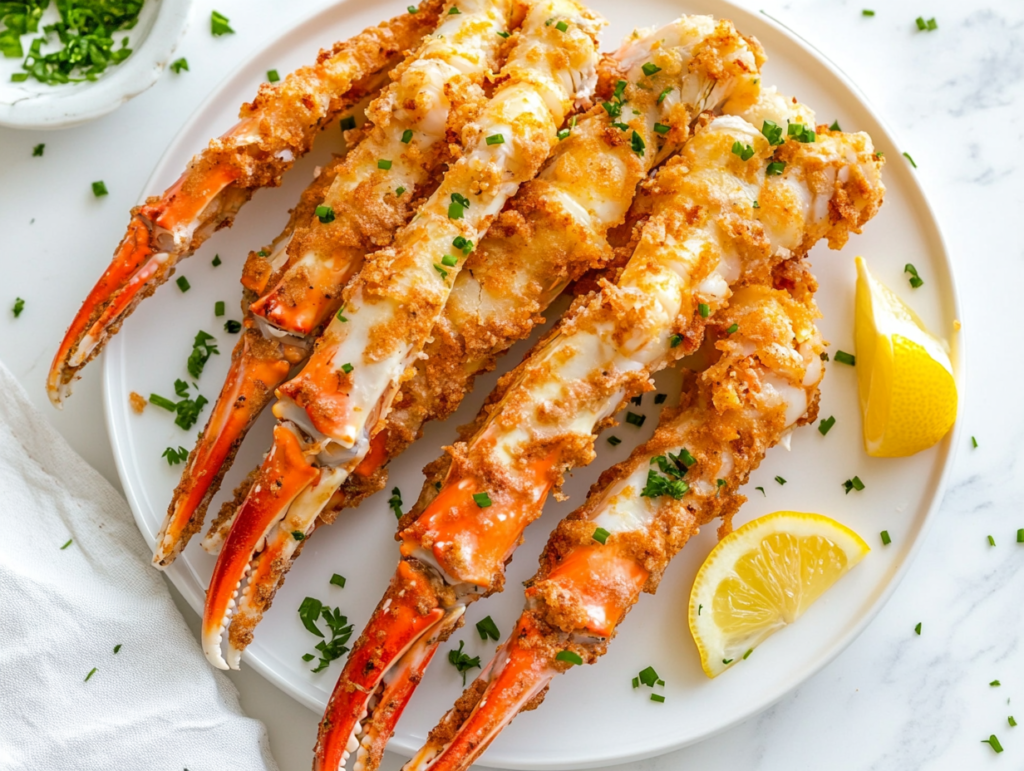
x=553, y=230
x=329, y=413
x=703, y=237
x=619, y=543
x=298, y=282
x=274, y=130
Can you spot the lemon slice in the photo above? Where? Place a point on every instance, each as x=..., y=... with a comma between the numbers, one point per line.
x=908, y=395
x=762, y=577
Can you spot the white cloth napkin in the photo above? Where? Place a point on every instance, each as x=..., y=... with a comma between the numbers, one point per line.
x=155, y=704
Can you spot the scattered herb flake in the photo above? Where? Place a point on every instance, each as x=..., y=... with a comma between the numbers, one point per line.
x=846, y=358
x=651, y=69
x=66, y=545
x=867, y=12
x=648, y=677
x=94, y=670
x=886, y=540
x=744, y=152
x=174, y=457
x=272, y=76
x=384, y=164
x=19, y=306
x=917, y=628
x=216, y=260
x=37, y=151
x=660, y=398
x=601, y=535
x=635, y=420
x=219, y=24
x=324, y=213
x=1011, y=721
x=232, y=327
x=395, y=502
x=483, y=500
x=218, y=308
x=348, y=122
x=99, y=189
x=663, y=94
x=834, y=126
x=569, y=657
x=907, y=156
x=614, y=441
x=298, y=535
x=202, y=350
x=637, y=144
x=704, y=309
x=826, y=425
x=658, y=698
x=461, y=661
x=487, y=628
x=338, y=580
x=762, y=491
x=974, y=443
x=993, y=742
x=991, y=541
x=780, y=480
x=772, y=131
x=775, y=168
x=117, y=648
x=182, y=283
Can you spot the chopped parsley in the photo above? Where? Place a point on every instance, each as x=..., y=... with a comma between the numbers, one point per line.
x=99, y=189
x=338, y=580
x=19, y=306
x=483, y=500
x=324, y=213
x=635, y=420
x=310, y=611
x=569, y=657
x=202, y=350
x=453, y=11
x=187, y=410
x=272, y=76
x=399, y=191
x=487, y=628
x=926, y=26
x=826, y=425
x=673, y=468
x=461, y=661
x=853, y=484
x=886, y=538
x=846, y=358
x=395, y=502
x=744, y=152
x=601, y=535
x=915, y=279
x=174, y=457
x=117, y=648
x=675, y=341
x=648, y=677
x=995, y=684
x=37, y=151
x=219, y=24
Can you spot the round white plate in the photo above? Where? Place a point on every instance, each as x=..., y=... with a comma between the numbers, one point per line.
x=592, y=716
x=35, y=105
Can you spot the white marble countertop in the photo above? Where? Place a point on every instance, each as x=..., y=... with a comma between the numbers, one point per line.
x=955, y=97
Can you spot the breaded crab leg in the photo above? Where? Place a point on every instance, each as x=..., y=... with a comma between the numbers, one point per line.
x=329, y=413
x=553, y=230
x=703, y=237
x=351, y=210
x=644, y=510
x=274, y=130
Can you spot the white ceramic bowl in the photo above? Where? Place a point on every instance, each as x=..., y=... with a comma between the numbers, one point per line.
x=35, y=105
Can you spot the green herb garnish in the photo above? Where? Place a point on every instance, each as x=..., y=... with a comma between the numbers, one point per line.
x=853, y=484
x=635, y=420
x=461, y=661
x=384, y=165
x=826, y=425
x=846, y=358
x=487, y=628
x=483, y=500
x=324, y=213
x=886, y=539
x=19, y=306
x=395, y=502
x=569, y=657
x=99, y=189
x=174, y=457
x=202, y=350
x=614, y=441
x=601, y=535
x=775, y=168
x=219, y=24
x=338, y=580
x=232, y=327
x=745, y=152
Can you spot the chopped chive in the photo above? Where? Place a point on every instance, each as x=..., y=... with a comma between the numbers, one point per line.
x=19, y=306
x=339, y=315
x=747, y=654
x=483, y=500
x=399, y=191
x=99, y=189
x=412, y=9
x=733, y=329
x=932, y=24
x=614, y=441
x=1020, y=535
x=651, y=69
x=663, y=94
x=347, y=368
x=661, y=128
x=324, y=213
x=454, y=11
x=117, y=648
x=660, y=398
x=756, y=204
x=298, y=535
x=660, y=682
x=907, y=156
x=569, y=657
x=160, y=401
x=272, y=76
x=456, y=210
x=636, y=682
x=867, y=12
x=846, y=358
x=834, y=126
x=37, y=151
x=487, y=628
x=801, y=133
x=1011, y=721
x=918, y=628
x=406, y=136
x=675, y=341
x=762, y=491
x=442, y=271
x=395, y=502
x=995, y=684
x=347, y=123
x=699, y=608
x=991, y=541
x=974, y=443
x=449, y=261
x=823, y=356
x=62, y=548
x=504, y=34
x=772, y=131
x=637, y=400
x=687, y=458
x=637, y=144
x=727, y=661
x=219, y=24
x=853, y=484
x=232, y=327
x=216, y=260
x=780, y=480
x=635, y=420
x=704, y=309
x=462, y=243
x=218, y=308
x=562, y=134
x=601, y=535
x=94, y=670
x=826, y=425
x=744, y=152
x=561, y=26
x=658, y=698
x=775, y=168
x=384, y=164
x=307, y=657
x=886, y=540
x=338, y=580
x=182, y=283
x=720, y=483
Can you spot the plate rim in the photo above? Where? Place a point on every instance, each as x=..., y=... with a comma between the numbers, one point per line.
x=744, y=18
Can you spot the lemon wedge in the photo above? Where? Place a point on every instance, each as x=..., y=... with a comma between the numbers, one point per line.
x=907, y=391
x=763, y=577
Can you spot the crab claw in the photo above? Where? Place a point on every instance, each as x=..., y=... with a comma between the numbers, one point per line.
x=515, y=680
x=161, y=231
x=283, y=477
x=383, y=670
x=256, y=370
